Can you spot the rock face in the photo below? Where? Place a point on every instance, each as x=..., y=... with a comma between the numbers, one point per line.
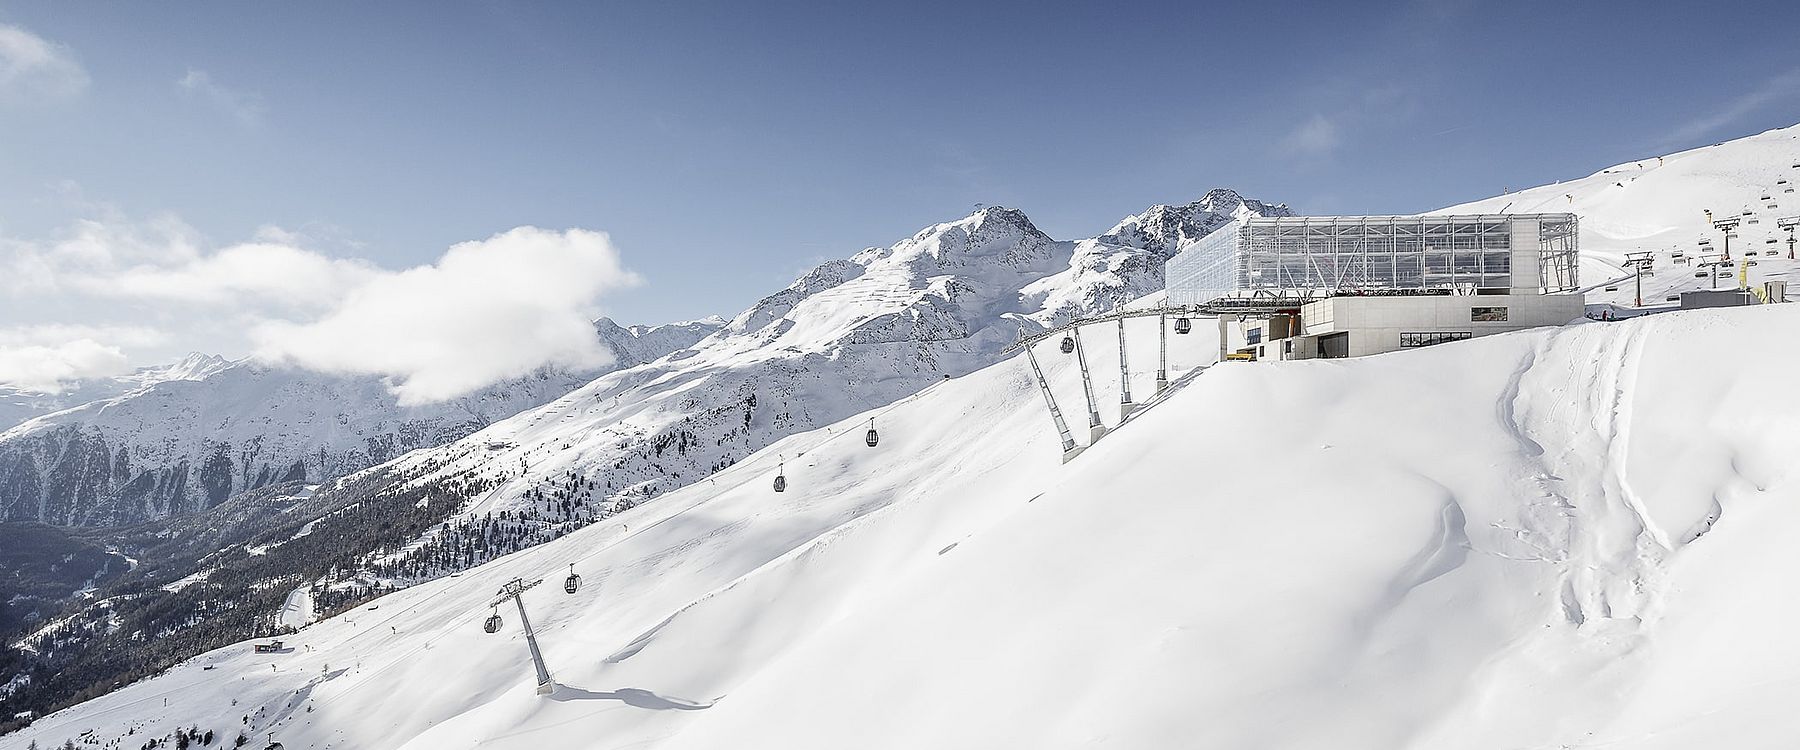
x=189, y=436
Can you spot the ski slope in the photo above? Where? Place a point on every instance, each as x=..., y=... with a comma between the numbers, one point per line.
x=1659, y=205
x=1570, y=537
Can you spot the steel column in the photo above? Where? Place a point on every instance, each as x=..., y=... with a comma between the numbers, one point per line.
x=512, y=590
x=1162, y=358
x=1223, y=350
x=1062, y=428
x=1126, y=407
x=1095, y=427
x=544, y=685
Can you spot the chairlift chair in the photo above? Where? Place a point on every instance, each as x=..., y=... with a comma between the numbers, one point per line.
x=1068, y=344
x=573, y=582
x=1184, y=326
x=873, y=437
x=493, y=622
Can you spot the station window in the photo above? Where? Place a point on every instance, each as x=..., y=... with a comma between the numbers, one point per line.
x=1487, y=314
x=1414, y=339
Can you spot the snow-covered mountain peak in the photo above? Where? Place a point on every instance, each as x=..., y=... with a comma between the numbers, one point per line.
x=1005, y=234
x=194, y=366
x=1164, y=228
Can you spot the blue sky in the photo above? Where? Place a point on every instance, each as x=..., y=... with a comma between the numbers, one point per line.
x=727, y=146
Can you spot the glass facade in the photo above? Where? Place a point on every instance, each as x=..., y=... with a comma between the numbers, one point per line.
x=1324, y=255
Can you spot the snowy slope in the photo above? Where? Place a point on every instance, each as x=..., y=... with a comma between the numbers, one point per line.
x=1660, y=204
x=186, y=437
x=1544, y=539
x=846, y=336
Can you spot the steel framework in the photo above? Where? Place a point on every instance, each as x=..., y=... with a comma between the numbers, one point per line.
x=1072, y=329
x=1324, y=255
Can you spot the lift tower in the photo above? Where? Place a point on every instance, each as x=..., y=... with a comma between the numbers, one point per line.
x=1789, y=223
x=1726, y=225
x=512, y=590
x=1070, y=450
x=1640, y=262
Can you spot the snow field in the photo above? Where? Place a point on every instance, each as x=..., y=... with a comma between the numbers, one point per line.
x=1497, y=543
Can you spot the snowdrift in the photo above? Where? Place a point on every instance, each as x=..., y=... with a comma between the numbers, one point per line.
x=1560, y=538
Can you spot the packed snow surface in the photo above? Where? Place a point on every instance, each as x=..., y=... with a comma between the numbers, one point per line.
x=1574, y=537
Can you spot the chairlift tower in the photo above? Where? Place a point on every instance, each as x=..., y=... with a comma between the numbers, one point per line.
x=1714, y=264
x=1640, y=262
x=1726, y=225
x=1789, y=224
x=512, y=590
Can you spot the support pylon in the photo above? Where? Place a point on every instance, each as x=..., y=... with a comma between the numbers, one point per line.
x=1126, y=407
x=1069, y=448
x=1162, y=357
x=512, y=590
x=1095, y=427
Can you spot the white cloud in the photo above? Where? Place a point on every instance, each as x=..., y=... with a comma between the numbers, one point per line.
x=163, y=261
x=267, y=272
x=34, y=70
x=1318, y=136
x=62, y=333
x=45, y=368
x=486, y=311
x=246, y=107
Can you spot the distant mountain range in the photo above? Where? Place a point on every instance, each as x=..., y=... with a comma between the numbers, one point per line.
x=178, y=439
x=18, y=405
